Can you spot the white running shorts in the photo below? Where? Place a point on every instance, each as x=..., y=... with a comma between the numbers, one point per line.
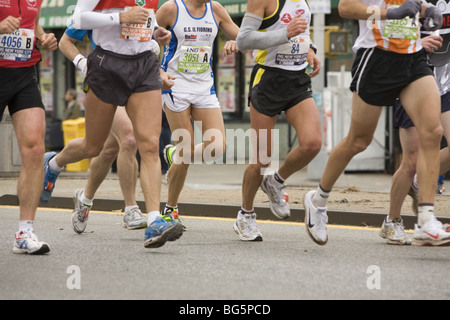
x=180, y=101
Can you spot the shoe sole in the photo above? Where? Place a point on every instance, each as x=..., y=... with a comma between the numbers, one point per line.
x=138, y=227
x=175, y=231
x=431, y=243
x=274, y=212
x=42, y=250
x=236, y=229
x=321, y=243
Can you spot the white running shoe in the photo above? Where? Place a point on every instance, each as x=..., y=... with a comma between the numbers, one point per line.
x=431, y=233
x=245, y=227
x=394, y=232
x=27, y=242
x=278, y=198
x=80, y=214
x=316, y=220
x=133, y=219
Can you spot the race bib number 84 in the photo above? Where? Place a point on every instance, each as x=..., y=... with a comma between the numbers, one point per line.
x=17, y=46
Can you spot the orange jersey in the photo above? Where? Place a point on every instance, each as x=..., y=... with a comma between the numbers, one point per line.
x=400, y=36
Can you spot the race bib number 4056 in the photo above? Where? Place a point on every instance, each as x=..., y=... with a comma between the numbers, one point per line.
x=17, y=46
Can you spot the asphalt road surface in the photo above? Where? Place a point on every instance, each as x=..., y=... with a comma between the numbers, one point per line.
x=210, y=263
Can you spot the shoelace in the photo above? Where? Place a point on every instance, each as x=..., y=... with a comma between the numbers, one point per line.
x=250, y=224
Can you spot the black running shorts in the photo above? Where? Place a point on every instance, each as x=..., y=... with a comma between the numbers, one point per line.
x=379, y=76
x=273, y=90
x=19, y=90
x=115, y=77
x=401, y=118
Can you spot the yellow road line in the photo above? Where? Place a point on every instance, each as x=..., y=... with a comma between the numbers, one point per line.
x=210, y=218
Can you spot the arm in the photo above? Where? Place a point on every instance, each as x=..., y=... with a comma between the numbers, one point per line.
x=85, y=18
x=67, y=47
x=46, y=40
x=250, y=38
x=228, y=27
x=226, y=24
x=355, y=9
x=166, y=15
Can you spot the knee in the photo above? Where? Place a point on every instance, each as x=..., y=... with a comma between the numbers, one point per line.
x=33, y=153
x=431, y=135
x=311, y=147
x=93, y=151
x=149, y=146
x=129, y=145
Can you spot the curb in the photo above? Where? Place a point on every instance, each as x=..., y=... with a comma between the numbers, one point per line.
x=348, y=218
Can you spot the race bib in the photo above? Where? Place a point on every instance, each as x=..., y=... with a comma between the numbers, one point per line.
x=139, y=32
x=405, y=28
x=295, y=52
x=194, y=59
x=17, y=46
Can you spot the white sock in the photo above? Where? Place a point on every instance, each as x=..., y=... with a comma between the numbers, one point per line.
x=151, y=217
x=26, y=225
x=320, y=198
x=54, y=166
x=85, y=200
x=426, y=212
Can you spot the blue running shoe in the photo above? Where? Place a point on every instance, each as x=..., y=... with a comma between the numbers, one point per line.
x=50, y=177
x=159, y=232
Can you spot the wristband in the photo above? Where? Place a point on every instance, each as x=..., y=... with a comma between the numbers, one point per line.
x=77, y=59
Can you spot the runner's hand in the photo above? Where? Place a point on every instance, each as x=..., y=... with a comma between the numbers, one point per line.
x=230, y=47
x=409, y=8
x=432, y=43
x=433, y=19
x=48, y=41
x=314, y=63
x=167, y=82
x=297, y=26
x=136, y=15
x=162, y=36
x=10, y=24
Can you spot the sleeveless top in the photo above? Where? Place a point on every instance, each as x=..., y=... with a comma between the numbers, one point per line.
x=400, y=36
x=126, y=39
x=18, y=49
x=290, y=56
x=188, y=57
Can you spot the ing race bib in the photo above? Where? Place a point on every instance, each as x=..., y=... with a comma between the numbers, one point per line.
x=194, y=59
x=17, y=46
x=139, y=32
x=405, y=28
x=295, y=52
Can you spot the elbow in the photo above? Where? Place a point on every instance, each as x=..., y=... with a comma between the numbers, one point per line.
x=344, y=9
x=76, y=19
x=241, y=43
